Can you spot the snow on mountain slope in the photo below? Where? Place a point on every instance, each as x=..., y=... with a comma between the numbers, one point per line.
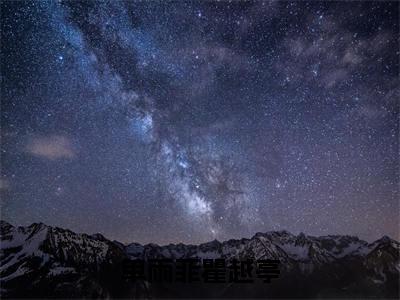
x=51, y=260
x=50, y=248
x=288, y=248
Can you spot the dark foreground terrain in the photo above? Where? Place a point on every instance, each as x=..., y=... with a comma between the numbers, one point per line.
x=41, y=261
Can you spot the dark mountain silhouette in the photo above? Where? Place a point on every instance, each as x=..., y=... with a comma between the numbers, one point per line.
x=43, y=261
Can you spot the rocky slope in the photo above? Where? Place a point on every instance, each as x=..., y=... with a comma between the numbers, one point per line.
x=53, y=262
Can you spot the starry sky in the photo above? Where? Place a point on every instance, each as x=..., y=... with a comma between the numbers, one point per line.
x=192, y=121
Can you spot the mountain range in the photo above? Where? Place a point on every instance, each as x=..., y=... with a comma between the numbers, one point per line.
x=40, y=261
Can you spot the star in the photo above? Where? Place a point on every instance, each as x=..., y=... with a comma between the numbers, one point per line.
x=211, y=121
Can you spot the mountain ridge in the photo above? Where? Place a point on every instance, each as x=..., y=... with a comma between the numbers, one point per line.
x=99, y=235
x=52, y=261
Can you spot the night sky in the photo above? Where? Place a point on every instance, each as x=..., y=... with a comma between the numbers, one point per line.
x=193, y=121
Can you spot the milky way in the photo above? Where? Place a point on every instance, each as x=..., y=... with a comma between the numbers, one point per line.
x=192, y=121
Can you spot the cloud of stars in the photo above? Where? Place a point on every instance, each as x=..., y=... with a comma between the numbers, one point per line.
x=190, y=121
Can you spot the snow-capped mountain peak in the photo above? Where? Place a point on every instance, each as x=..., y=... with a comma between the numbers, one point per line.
x=38, y=253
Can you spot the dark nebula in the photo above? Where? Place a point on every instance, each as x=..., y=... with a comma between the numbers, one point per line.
x=188, y=121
